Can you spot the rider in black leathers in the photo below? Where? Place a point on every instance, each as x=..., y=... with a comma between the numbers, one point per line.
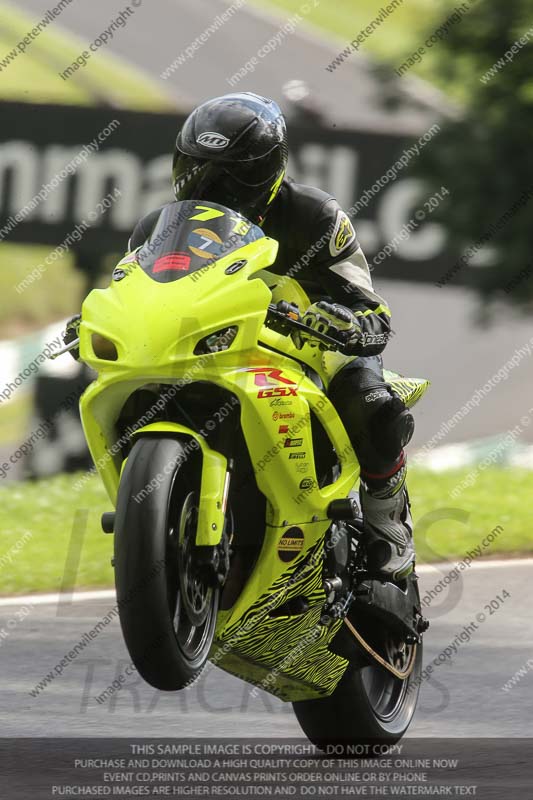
x=233, y=150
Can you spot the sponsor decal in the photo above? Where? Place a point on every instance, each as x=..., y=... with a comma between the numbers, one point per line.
x=368, y=339
x=297, y=455
x=213, y=140
x=301, y=468
x=293, y=443
x=283, y=429
x=172, y=261
x=235, y=267
x=290, y=544
x=371, y=396
x=204, y=242
x=343, y=234
x=206, y=213
x=277, y=392
x=279, y=402
x=307, y=483
x=241, y=227
x=281, y=414
x=265, y=376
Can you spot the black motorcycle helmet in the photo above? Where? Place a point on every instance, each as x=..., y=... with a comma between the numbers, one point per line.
x=232, y=150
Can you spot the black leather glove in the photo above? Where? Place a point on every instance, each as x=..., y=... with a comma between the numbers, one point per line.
x=336, y=321
x=71, y=333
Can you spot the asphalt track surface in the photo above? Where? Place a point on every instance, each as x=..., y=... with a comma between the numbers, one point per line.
x=463, y=697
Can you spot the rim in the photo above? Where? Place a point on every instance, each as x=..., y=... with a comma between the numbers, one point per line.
x=191, y=600
x=386, y=694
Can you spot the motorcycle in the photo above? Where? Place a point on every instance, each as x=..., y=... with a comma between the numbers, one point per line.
x=238, y=538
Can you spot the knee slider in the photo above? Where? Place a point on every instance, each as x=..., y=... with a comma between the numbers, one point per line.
x=392, y=425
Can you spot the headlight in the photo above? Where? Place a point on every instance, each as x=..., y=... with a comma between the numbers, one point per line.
x=104, y=348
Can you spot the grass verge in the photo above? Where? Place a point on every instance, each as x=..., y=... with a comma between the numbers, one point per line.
x=43, y=513
x=55, y=296
x=400, y=33
x=14, y=421
x=33, y=76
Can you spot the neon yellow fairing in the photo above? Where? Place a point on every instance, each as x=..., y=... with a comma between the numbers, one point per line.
x=138, y=333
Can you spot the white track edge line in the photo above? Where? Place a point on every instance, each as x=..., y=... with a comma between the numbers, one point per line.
x=109, y=594
x=53, y=599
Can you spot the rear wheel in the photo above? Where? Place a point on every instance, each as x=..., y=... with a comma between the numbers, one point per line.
x=167, y=601
x=369, y=704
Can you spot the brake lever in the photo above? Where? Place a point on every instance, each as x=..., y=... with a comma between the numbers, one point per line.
x=66, y=349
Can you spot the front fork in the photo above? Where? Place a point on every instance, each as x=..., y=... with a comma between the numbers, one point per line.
x=215, y=559
x=214, y=481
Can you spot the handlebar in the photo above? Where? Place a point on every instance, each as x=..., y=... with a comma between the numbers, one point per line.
x=285, y=318
x=282, y=317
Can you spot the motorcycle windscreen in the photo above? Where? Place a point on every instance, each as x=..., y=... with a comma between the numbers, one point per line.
x=192, y=235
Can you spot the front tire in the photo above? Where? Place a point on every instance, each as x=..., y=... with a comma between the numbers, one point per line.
x=369, y=705
x=167, y=606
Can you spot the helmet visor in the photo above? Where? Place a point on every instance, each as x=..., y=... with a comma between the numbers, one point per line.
x=240, y=185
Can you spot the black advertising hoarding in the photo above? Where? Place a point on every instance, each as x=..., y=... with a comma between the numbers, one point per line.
x=38, y=142
x=57, y=163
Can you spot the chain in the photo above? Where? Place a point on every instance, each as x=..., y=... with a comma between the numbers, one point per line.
x=385, y=664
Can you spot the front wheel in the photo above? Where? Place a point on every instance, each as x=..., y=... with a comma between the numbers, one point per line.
x=167, y=603
x=369, y=705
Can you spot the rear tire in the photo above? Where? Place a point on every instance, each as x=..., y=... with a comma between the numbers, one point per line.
x=369, y=705
x=167, y=608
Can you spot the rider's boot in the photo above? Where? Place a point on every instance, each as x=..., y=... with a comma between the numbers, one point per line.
x=388, y=528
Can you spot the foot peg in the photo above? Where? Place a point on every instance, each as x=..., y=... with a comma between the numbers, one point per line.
x=343, y=509
x=108, y=522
